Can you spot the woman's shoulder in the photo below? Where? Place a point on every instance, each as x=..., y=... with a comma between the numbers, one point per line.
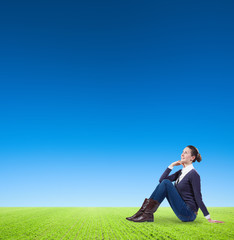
x=194, y=173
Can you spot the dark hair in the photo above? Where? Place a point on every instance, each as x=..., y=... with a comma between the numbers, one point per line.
x=195, y=152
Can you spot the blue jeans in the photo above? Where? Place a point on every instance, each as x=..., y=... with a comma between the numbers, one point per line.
x=180, y=208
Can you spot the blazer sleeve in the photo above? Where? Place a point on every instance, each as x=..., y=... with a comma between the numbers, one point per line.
x=196, y=185
x=172, y=177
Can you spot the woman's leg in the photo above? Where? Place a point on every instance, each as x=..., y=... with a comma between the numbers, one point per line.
x=167, y=190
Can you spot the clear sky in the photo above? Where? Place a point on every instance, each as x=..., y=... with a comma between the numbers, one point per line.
x=97, y=98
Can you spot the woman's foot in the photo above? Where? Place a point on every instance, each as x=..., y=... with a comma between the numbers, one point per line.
x=145, y=217
x=141, y=210
x=148, y=213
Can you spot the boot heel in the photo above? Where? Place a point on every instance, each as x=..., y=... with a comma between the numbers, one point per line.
x=151, y=219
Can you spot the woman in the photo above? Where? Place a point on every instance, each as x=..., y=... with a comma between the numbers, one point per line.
x=184, y=196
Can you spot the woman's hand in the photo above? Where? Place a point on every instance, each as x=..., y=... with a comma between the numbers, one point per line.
x=214, y=221
x=177, y=163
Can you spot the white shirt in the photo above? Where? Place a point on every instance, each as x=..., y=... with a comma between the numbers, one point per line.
x=185, y=170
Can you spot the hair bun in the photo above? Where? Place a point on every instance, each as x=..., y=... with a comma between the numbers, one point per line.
x=198, y=158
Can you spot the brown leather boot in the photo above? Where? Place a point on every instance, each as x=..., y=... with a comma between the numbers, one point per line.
x=148, y=213
x=140, y=210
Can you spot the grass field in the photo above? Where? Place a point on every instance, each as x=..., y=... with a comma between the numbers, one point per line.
x=110, y=223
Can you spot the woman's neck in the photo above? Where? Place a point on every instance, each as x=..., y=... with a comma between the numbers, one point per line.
x=186, y=165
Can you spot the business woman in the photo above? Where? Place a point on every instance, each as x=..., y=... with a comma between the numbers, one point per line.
x=184, y=196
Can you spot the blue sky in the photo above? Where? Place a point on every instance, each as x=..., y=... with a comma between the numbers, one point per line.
x=97, y=98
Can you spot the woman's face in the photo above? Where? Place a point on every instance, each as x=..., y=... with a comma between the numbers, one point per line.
x=186, y=156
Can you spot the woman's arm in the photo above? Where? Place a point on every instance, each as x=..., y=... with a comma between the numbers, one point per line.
x=196, y=184
x=172, y=177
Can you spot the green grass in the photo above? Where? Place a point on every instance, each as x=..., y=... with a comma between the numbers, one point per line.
x=110, y=223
